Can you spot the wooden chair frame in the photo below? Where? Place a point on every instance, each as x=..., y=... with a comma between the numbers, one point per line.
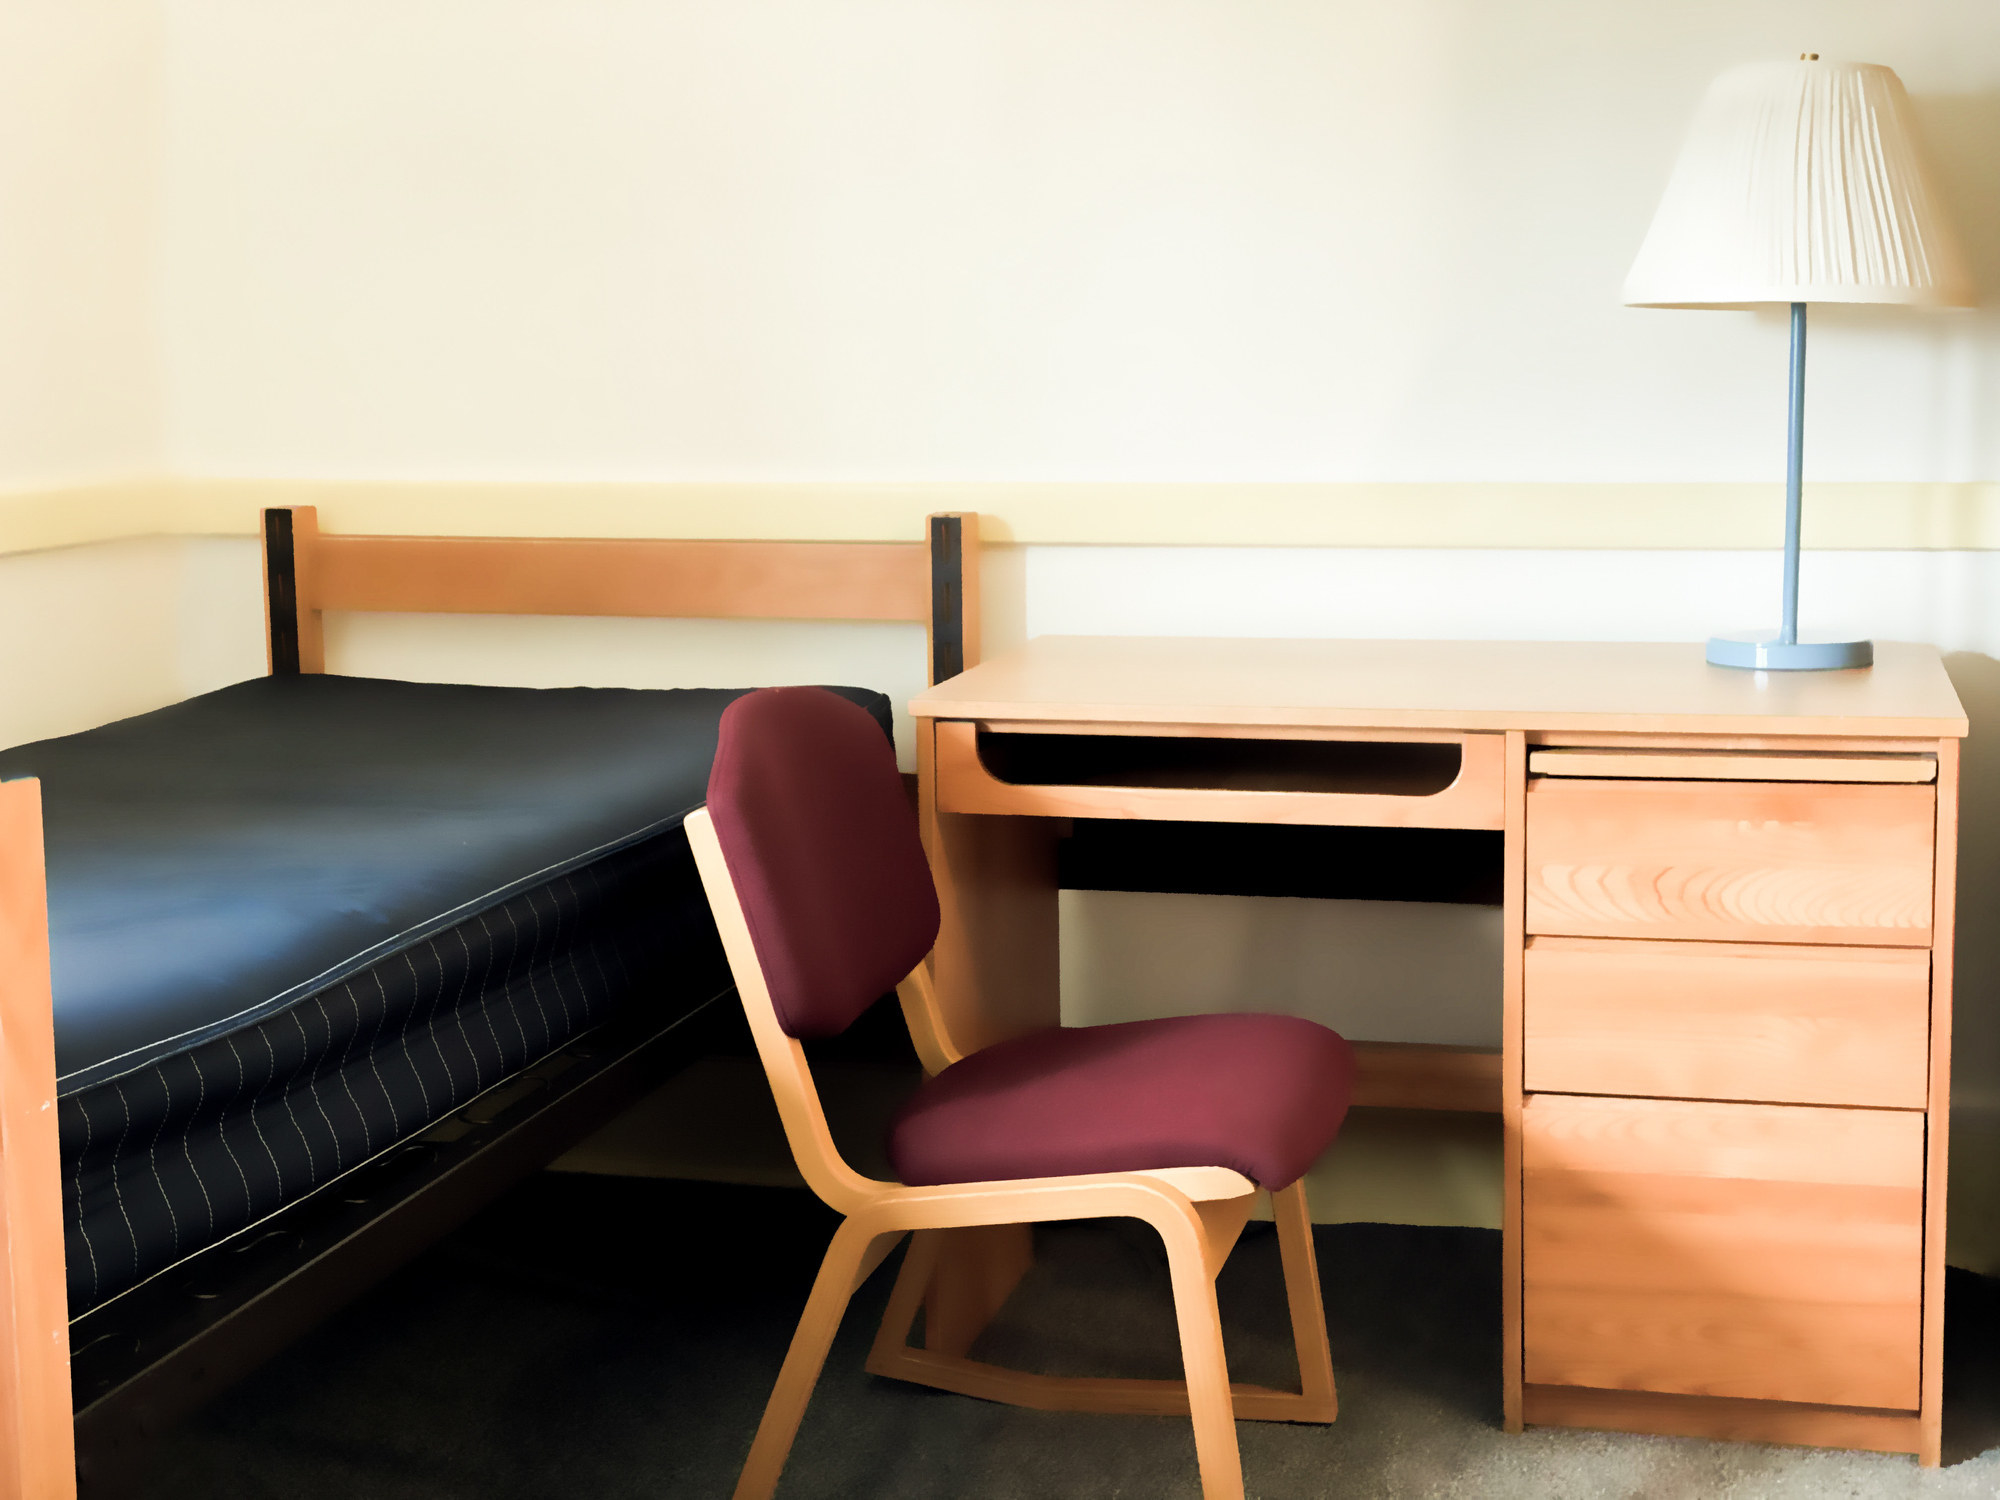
x=934, y=582
x=1198, y=1211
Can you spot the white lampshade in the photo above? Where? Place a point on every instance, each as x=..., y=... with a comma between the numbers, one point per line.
x=1800, y=182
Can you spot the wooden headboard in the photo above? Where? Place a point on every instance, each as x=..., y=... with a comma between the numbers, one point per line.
x=934, y=582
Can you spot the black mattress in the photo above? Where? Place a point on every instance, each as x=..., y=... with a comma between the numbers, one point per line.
x=301, y=919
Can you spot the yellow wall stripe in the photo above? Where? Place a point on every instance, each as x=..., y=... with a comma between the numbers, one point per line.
x=1617, y=516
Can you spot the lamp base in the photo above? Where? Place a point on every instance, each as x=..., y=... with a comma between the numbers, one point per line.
x=1766, y=653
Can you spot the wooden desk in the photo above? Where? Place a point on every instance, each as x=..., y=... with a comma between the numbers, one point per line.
x=1727, y=1016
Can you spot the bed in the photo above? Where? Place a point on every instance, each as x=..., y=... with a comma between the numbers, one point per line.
x=336, y=960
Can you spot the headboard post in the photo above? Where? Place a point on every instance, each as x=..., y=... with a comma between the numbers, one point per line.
x=954, y=593
x=292, y=633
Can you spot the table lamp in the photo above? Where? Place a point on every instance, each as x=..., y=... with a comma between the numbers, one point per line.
x=1799, y=182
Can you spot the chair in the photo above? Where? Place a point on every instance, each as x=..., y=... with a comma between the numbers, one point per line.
x=811, y=858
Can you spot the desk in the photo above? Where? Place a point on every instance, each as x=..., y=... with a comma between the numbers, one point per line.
x=1726, y=1030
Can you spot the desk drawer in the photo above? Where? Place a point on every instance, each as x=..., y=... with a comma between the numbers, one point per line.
x=1731, y=861
x=1764, y=1251
x=1756, y=1021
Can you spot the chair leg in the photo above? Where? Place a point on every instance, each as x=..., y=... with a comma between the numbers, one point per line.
x=1204, y=1365
x=1301, y=1263
x=835, y=1284
x=1313, y=1401
x=977, y=1269
x=912, y=1281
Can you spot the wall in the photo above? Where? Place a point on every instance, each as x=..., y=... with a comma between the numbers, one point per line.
x=1040, y=246
x=80, y=107
x=1115, y=239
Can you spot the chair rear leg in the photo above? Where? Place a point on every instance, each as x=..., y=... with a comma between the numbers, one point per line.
x=1302, y=1293
x=1205, y=1366
x=838, y=1275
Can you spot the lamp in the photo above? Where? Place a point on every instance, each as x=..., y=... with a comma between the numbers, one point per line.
x=1799, y=182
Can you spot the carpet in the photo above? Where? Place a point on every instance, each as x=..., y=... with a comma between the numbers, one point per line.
x=616, y=1337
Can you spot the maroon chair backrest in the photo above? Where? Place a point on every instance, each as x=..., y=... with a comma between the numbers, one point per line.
x=822, y=846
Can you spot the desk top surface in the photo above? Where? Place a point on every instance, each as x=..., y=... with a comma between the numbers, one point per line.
x=1628, y=688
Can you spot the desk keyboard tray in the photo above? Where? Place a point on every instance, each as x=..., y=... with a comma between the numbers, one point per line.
x=1444, y=781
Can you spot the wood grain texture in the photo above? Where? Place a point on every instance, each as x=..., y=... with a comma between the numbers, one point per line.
x=996, y=967
x=1421, y=1075
x=1512, y=908
x=1771, y=744
x=977, y=1269
x=307, y=555
x=37, y=1450
x=1731, y=861
x=1698, y=765
x=1756, y=1251
x=1537, y=686
x=1937, y=1153
x=1751, y=1021
x=1724, y=1418
x=1473, y=800
x=571, y=576
x=1841, y=857
x=1316, y=1400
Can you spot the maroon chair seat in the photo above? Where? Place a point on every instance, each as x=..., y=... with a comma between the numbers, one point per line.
x=1260, y=1094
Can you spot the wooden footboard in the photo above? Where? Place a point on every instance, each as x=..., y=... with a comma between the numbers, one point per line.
x=37, y=1460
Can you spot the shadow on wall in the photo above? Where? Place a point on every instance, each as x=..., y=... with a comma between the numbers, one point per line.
x=1962, y=135
x=1975, y=1062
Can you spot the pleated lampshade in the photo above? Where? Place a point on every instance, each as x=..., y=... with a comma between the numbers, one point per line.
x=1800, y=182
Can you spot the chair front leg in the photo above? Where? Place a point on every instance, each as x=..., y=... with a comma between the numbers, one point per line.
x=1204, y=1363
x=834, y=1286
x=1302, y=1293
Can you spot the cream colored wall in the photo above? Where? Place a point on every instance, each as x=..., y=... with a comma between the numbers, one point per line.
x=79, y=144
x=88, y=634
x=1321, y=241
x=1118, y=239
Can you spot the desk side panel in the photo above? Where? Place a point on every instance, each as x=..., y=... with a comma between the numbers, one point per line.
x=1513, y=942
x=997, y=965
x=1930, y=1411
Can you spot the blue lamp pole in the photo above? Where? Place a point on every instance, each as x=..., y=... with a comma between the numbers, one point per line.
x=1784, y=651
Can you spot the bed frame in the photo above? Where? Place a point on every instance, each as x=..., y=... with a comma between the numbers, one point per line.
x=150, y=1356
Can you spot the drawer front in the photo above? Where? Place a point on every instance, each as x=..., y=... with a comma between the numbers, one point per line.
x=1765, y=1251
x=1752, y=1021
x=1721, y=861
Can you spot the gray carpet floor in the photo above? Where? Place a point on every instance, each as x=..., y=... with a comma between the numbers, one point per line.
x=600, y=1337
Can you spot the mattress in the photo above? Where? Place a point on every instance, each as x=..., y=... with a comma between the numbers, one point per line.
x=301, y=919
